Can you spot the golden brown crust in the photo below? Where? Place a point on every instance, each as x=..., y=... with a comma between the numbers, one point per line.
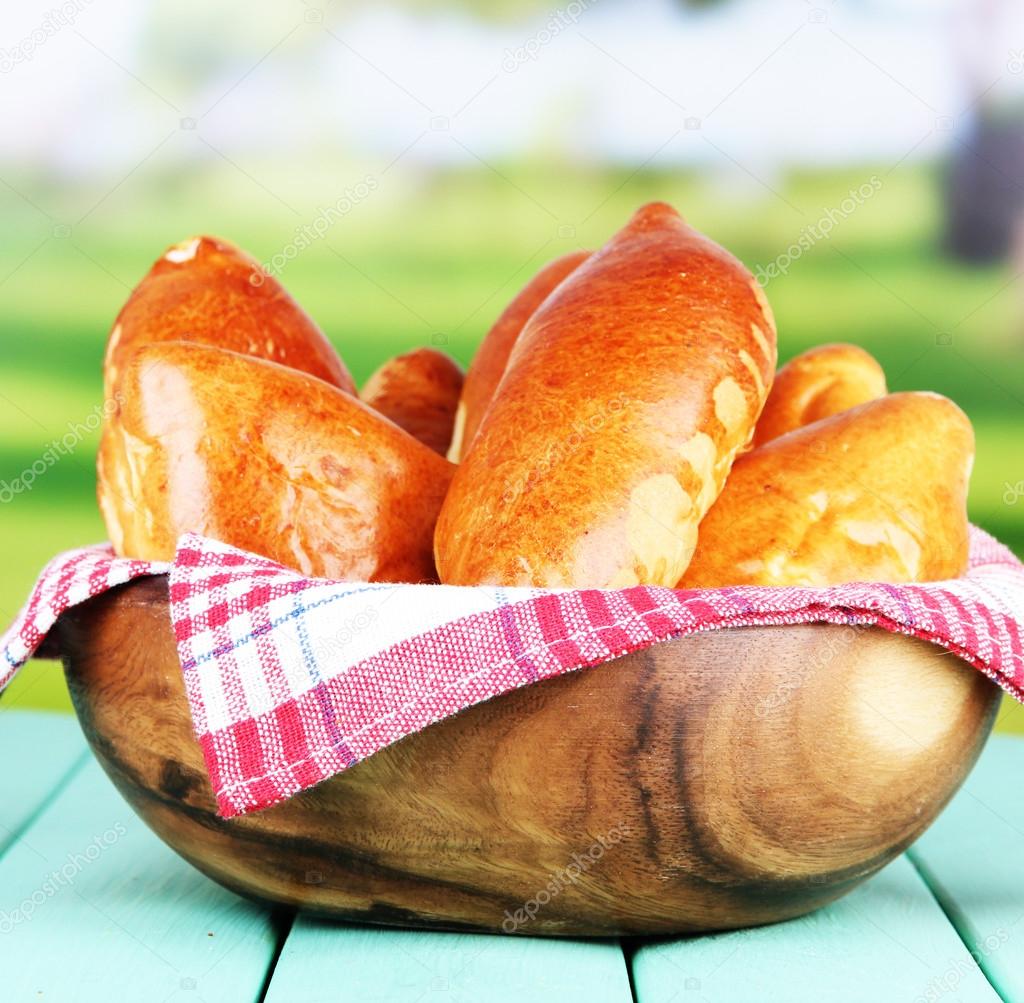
x=876, y=493
x=624, y=402
x=488, y=365
x=267, y=459
x=819, y=383
x=205, y=290
x=418, y=391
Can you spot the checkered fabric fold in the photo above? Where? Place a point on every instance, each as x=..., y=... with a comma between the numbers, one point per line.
x=291, y=680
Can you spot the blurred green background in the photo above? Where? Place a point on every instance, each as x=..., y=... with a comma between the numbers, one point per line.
x=432, y=256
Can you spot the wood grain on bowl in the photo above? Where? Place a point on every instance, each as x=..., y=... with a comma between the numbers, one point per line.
x=726, y=779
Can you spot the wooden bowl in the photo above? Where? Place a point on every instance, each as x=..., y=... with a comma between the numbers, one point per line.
x=727, y=779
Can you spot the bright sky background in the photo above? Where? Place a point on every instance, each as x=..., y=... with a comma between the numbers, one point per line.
x=624, y=80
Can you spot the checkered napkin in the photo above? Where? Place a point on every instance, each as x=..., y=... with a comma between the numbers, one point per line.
x=291, y=679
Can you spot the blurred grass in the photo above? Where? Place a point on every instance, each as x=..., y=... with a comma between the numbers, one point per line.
x=431, y=258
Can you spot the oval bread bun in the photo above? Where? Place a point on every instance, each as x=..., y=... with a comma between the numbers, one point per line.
x=875, y=493
x=623, y=404
x=419, y=391
x=817, y=384
x=488, y=365
x=267, y=459
x=205, y=290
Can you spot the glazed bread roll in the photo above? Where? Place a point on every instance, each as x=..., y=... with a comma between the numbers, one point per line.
x=267, y=459
x=876, y=493
x=488, y=365
x=418, y=391
x=817, y=384
x=207, y=291
x=622, y=406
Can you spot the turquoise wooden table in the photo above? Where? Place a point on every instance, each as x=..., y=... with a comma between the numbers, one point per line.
x=94, y=907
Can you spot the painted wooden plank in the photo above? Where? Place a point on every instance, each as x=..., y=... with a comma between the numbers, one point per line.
x=330, y=963
x=39, y=752
x=973, y=860
x=94, y=907
x=887, y=940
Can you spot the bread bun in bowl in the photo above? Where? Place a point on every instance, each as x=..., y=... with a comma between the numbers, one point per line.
x=205, y=290
x=419, y=391
x=877, y=493
x=817, y=384
x=625, y=400
x=491, y=357
x=267, y=459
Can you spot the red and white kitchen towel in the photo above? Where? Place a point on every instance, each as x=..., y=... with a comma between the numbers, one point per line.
x=291, y=679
